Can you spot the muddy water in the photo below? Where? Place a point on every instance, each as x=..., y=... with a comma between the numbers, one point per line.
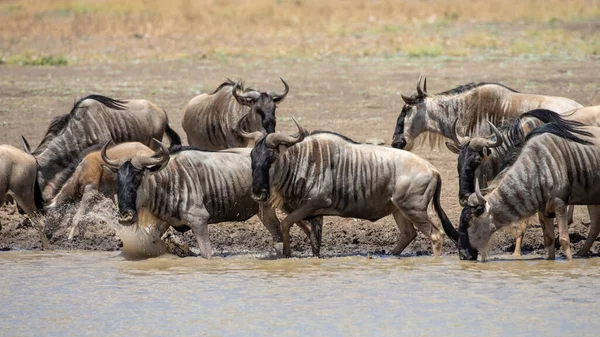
x=90, y=293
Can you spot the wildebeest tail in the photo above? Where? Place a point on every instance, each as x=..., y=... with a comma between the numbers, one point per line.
x=174, y=138
x=446, y=224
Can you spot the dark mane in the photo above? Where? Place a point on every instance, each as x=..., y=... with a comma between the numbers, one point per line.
x=316, y=132
x=180, y=148
x=470, y=86
x=229, y=83
x=559, y=129
x=549, y=116
x=59, y=123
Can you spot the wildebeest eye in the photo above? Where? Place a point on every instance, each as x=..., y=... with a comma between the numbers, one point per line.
x=476, y=161
x=272, y=156
x=479, y=210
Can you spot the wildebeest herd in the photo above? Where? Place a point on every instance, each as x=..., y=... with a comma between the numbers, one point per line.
x=518, y=154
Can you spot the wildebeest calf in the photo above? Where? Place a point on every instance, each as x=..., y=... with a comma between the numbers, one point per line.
x=90, y=179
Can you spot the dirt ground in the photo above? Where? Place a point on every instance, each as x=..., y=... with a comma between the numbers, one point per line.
x=359, y=98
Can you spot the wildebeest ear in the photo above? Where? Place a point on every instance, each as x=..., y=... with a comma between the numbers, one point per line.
x=452, y=147
x=487, y=151
x=26, y=146
x=479, y=210
x=109, y=169
x=407, y=99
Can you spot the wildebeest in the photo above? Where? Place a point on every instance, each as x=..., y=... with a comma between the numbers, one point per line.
x=209, y=119
x=555, y=168
x=472, y=104
x=94, y=120
x=18, y=175
x=190, y=187
x=484, y=158
x=328, y=174
x=90, y=178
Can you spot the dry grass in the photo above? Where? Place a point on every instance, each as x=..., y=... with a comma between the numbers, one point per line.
x=115, y=30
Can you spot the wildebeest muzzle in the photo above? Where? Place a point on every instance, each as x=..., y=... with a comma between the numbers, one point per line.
x=261, y=196
x=399, y=142
x=127, y=218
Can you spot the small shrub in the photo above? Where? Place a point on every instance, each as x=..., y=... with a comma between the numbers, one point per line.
x=424, y=51
x=29, y=60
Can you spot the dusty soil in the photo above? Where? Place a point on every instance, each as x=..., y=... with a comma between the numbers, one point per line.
x=356, y=97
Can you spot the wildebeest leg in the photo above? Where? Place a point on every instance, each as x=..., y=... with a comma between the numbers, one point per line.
x=197, y=220
x=8, y=198
x=521, y=228
x=267, y=215
x=3, y=190
x=307, y=229
x=549, y=238
x=297, y=215
x=84, y=205
x=407, y=232
x=562, y=218
x=434, y=234
x=571, y=210
x=316, y=234
x=421, y=221
x=302, y=224
x=594, y=211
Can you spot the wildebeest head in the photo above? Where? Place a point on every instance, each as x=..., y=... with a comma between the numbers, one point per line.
x=262, y=103
x=129, y=175
x=411, y=120
x=475, y=228
x=472, y=154
x=264, y=154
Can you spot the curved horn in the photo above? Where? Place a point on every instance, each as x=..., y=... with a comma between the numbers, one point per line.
x=26, y=146
x=235, y=88
x=160, y=157
x=498, y=141
x=280, y=97
x=478, y=193
x=273, y=140
x=419, y=91
x=111, y=163
x=425, y=86
x=458, y=139
x=256, y=135
x=479, y=143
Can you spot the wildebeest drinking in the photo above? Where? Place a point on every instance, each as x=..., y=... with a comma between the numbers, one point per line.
x=555, y=168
